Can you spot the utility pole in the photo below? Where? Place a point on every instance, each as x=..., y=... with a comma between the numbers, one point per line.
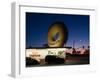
x=73, y=44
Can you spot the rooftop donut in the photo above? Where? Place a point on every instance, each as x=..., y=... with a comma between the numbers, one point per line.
x=57, y=34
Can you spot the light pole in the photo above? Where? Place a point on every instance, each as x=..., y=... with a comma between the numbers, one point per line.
x=73, y=44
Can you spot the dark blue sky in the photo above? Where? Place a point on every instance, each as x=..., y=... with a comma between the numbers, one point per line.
x=37, y=25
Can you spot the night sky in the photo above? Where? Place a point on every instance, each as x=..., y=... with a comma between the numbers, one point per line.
x=37, y=25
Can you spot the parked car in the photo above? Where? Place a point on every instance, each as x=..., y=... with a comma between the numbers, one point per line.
x=53, y=59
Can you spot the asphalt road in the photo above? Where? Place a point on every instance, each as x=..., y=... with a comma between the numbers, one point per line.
x=72, y=60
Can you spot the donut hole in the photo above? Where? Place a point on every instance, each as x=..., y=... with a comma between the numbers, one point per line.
x=56, y=36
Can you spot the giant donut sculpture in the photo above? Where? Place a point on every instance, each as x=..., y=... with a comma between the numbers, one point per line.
x=57, y=34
